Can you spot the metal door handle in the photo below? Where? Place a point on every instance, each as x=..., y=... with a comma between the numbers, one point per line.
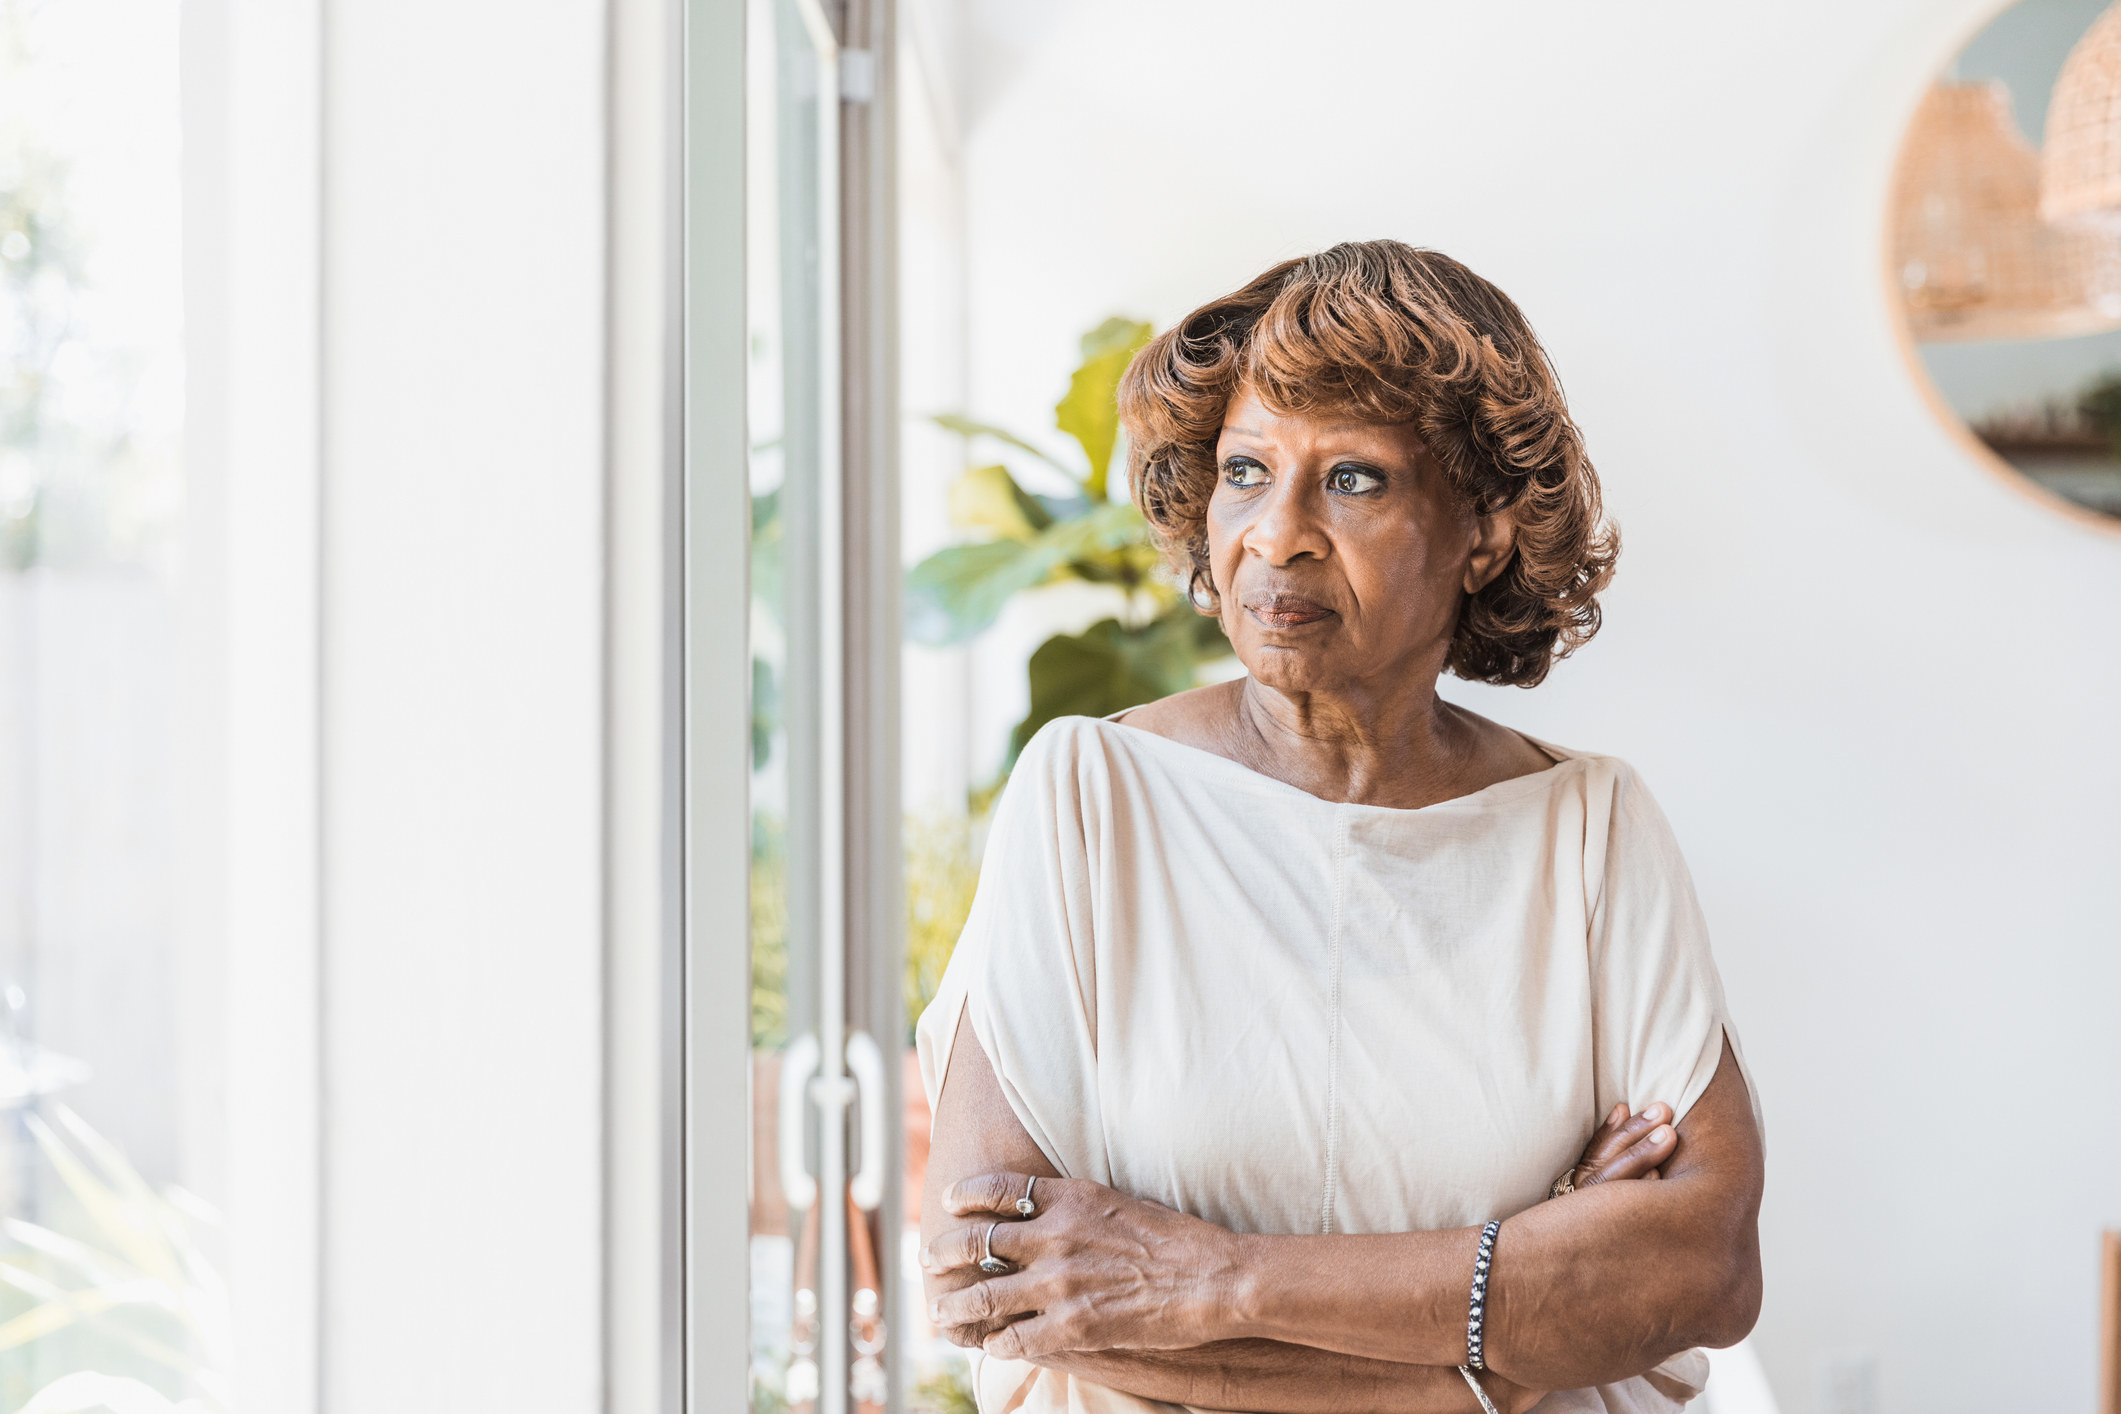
x=865, y=1061
x=798, y=1065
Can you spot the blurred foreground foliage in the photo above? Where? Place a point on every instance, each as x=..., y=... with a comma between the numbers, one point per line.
x=946, y=1389
x=110, y=1301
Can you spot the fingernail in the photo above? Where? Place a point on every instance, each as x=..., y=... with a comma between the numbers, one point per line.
x=1660, y=1135
x=927, y=1260
x=935, y=1313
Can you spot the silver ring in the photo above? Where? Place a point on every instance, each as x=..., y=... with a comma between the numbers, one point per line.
x=1024, y=1204
x=992, y=1265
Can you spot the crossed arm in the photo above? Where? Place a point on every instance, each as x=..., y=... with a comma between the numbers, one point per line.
x=1597, y=1286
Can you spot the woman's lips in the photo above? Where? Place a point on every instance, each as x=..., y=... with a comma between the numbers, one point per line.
x=1286, y=610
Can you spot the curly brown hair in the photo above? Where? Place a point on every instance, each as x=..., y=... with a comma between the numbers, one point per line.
x=1387, y=333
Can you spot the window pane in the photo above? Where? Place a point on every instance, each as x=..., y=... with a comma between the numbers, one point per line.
x=107, y=1174
x=786, y=388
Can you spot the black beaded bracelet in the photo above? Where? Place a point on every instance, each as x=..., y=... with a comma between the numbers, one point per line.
x=1476, y=1315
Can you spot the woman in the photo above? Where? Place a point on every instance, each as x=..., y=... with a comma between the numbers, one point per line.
x=1278, y=995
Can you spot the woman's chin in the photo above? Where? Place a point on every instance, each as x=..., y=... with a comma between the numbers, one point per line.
x=1283, y=668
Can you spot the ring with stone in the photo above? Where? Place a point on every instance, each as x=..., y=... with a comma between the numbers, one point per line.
x=992, y=1265
x=1024, y=1204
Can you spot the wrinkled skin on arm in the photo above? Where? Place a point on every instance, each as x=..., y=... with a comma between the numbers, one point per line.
x=1180, y=1348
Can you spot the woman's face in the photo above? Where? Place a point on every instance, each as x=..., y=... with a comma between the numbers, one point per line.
x=1340, y=550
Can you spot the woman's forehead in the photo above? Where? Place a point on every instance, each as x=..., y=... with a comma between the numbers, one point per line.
x=1251, y=418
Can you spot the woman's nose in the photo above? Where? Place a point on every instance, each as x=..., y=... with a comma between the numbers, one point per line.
x=1287, y=527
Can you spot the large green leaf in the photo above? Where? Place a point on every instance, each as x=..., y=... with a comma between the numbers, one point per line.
x=958, y=591
x=1090, y=411
x=1063, y=507
x=1109, y=667
x=988, y=498
x=1111, y=527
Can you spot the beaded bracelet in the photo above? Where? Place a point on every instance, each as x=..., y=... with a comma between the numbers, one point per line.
x=1476, y=1314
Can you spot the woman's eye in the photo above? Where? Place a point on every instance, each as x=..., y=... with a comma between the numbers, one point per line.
x=1352, y=480
x=1244, y=474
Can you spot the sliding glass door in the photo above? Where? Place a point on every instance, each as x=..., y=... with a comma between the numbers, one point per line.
x=823, y=1101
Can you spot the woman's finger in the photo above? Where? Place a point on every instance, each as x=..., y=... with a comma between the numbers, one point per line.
x=1605, y=1144
x=1640, y=1160
x=1056, y=1329
x=959, y=1247
x=967, y=1246
x=995, y=1299
x=1611, y=1123
x=1614, y=1140
x=991, y=1193
x=1629, y=1133
x=969, y=1337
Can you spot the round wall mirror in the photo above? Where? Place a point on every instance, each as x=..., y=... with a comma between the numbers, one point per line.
x=2005, y=233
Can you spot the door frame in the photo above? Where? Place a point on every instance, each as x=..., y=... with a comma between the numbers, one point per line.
x=716, y=1161
x=715, y=820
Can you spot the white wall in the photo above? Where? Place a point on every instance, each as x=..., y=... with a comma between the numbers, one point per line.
x=936, y=685
x=1874, y=686
x=464, y=224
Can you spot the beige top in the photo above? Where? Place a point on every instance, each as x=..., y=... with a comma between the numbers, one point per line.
x=1204, y=986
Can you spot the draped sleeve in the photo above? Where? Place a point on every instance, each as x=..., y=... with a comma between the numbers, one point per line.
x=1658, y=1018
x=1034, y=921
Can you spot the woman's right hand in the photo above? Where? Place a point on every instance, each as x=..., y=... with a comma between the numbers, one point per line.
x=1627, y=1146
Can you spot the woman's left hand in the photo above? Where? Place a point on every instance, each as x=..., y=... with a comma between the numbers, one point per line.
x=1100, y=1270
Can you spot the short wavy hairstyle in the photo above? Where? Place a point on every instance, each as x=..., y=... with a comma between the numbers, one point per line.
x=1388, y=333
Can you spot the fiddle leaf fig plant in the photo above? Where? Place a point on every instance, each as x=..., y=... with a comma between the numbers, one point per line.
x=1027, y=540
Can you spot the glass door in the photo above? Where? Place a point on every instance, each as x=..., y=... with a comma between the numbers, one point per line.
x=820, y=1094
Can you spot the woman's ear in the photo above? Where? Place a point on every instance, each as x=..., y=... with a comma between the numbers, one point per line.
x=1494, y=541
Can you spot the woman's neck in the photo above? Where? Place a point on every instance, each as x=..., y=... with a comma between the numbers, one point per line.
x=1406, y=748
x=1403, y=750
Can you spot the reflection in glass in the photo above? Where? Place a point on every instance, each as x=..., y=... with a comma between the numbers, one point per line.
x=112, y=1294
x=787, y=382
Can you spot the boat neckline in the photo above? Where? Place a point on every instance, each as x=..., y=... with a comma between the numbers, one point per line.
x=1513, y=784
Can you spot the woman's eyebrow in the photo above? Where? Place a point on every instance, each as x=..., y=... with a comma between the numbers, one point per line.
x=1252, y=432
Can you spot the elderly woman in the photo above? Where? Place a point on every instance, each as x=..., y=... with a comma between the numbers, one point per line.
x=1304, y=1023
